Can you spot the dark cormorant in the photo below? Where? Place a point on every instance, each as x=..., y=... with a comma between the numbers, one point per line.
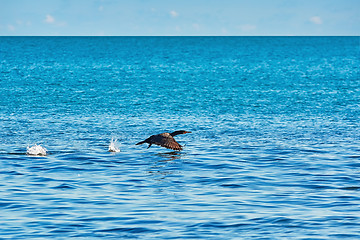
x=165, y=140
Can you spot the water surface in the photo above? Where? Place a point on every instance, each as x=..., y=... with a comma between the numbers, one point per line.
x=274, y=151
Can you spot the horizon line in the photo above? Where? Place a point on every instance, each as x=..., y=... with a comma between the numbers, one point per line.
x=179, y=35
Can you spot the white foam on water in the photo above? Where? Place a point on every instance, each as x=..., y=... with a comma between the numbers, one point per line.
x=113, y=146
x=36, y=150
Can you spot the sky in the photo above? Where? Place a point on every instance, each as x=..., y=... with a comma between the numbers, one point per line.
x=179, y=17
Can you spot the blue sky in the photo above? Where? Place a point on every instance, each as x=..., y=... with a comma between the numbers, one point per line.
x=179, y=17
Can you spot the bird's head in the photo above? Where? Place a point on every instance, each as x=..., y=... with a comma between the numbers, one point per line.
x=179, y=132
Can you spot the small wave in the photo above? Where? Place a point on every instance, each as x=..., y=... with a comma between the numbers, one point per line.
x=36, y=150
x=113, y=146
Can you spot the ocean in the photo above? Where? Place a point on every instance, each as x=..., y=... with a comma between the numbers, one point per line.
x=274, y=151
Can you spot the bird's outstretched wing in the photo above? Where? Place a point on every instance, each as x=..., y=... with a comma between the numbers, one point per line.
x=172, y=145
x=166, y=141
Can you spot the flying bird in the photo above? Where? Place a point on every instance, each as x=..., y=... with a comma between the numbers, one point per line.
x=165, y=140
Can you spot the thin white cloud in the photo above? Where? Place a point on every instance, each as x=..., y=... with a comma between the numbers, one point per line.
x=101, y=8
x=316, y=20
x=11, y=27
x=49, y=19
x=20, y=22
x=61, y=24
x=174, y=13
x=196, y=26
x=247, y=27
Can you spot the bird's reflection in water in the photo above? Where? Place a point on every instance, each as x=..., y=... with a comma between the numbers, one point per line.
x=166, y=165
x=170, y=156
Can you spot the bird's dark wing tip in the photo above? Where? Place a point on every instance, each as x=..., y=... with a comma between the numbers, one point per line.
x=140, y=143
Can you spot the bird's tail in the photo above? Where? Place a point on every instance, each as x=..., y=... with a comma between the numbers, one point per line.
x=140, y=143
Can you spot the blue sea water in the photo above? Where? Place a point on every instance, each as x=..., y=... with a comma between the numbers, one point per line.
x=274, y=151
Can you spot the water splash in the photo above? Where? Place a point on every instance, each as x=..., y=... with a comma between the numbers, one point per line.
x=113, y=146
x=36, y=150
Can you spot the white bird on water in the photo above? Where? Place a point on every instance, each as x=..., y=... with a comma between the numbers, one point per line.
x=36, y=150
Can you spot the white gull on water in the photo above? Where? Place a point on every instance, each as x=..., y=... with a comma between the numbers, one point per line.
x=36, y=150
